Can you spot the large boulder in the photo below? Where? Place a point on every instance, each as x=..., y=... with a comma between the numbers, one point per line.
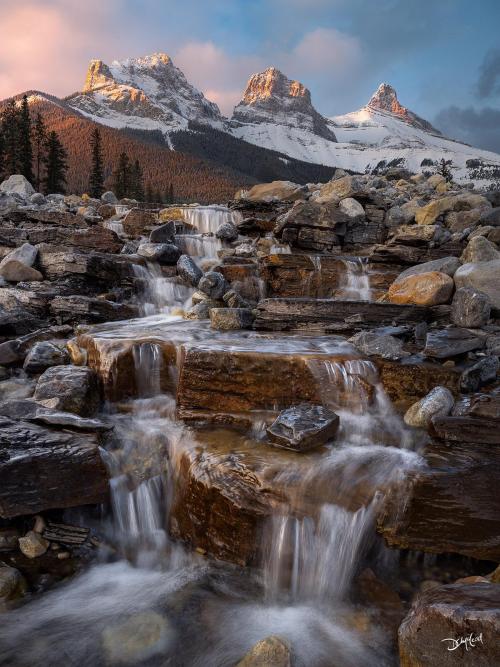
x=341, y=188
x=269, y=652
x=188, y=270
x=70, y=389
x=17, y=266
x=17, y=184
x=137, y=221
x=451, y=625
x=213, y=284
x=483, y=276
x=479, y=249
x=438, y=402
x=109, y=197
x=352, y=208
x=303, y=427
x=274, y=191
x=446, y=265
x=43, y=355
x=163, y=234
x=470, y=308
x=424, y=289
x=165, y=254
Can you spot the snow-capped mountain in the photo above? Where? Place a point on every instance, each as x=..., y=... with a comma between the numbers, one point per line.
x=276, y=114
x=148, y=93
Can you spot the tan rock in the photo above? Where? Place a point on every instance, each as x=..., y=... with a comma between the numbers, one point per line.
x=167, y=214
x=269, y=652
x=32, y=545
x=435, y=180
x=137, y=221
x=77, y=355
x=341, y=188
x=443, y=187
x=479, y=249
x=428, y=214
x=424, y=289
x=274, y=191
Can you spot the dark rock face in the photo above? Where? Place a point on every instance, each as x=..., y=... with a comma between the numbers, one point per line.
x=41, y=469
x=213, y=284
x=441, y=616
x=482, y=372
x=163, y=253
x=303, y=427
x=470, y=308
x=163, y=234
x=43, y=355
x=189, y=271
x=71, y=389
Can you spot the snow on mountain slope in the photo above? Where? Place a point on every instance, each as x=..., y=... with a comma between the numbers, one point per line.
x=147, y=93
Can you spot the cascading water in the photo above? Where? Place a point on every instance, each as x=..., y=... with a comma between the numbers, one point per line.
x=160, y=293
x=356, y=285
x=208, y=219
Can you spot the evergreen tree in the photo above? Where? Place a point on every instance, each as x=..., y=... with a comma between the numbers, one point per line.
x=137, y=185
x=171, y=194
x=10, y=131
x=122, y=177
x=149, y=193
x=96, y=181
x=444, y=169
x=157, y=198
x=25, y=147
x=39, y=145
x=55, y=165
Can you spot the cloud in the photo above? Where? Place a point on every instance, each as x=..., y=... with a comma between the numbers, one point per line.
x=489, y=75
x=480, y=128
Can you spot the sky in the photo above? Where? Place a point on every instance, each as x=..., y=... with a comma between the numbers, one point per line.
x=442, y=56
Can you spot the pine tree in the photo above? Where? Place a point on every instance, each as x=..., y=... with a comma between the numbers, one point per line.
x=25, y=147
x=96, y=181
x=149, y=193
x=157, y=198
x=444, y=169
x=137, y=185
x=55, y=165
x=10, y=131
x=122, y=177
x=39, y=145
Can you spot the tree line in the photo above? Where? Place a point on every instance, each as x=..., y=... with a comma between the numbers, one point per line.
x=28, y=148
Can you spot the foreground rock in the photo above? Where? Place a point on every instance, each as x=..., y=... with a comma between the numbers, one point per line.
x=438, y=402
x=57, y=468
x=269, y=652
x=70, y=389
x=440, y=618
x=303, y=427
x=483, y=276
x=18, y=265
x=423, y=289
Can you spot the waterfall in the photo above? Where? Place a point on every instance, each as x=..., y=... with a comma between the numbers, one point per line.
x=356, y=285
x=208, y=219
x=160, y=293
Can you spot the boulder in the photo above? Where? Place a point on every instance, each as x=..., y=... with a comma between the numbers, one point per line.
x=32, y=545
x=479, y=249
x=84, y=309
x=106, y=211
x=303, y=427
x=37, y=198
x=470, y=308
x=227, y=232
x=137, y=221
x=483, y=371
x=419, y=235
x=17, y=184
x=483, y=276
x=435, y=180
x=17, y=266
x=450, y=625
x=12, y=584
x=165, y=254
x=438, y=402
x=70, y=389
x=428, y=214
x=226, y=319
x=459, y=221
x=213, y=284
x=424, y=289
x=43, y=355
x=474, y=429
x=109, y=197
x=444, y=343
x=141, y=638
x=491, y=217
x=58, y=469
x=351, y=208
x=188, y=270
x=163, y=234
x=382, y=345
x=341, y=188
x=274, y=191
x=447, y=265
x=199, y=311
x=269, y=652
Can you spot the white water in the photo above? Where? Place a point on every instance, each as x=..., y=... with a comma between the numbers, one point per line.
x=208, y=219
x=356, y=285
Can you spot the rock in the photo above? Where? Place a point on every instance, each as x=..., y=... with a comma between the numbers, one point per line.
x=163, y=234
x=245, y=250
x=109, y=197
x=274, y=191
x=450, y=625
x=482, y=372
x=435, y=180
x=428, y=214
x=199, y=311
x=351, y=208
x=106, y=211
x=12, y=584
x=43, y=355
x=424, y=289
x=303, y=427
x=67, y=420
x=483, y=276
x=443, y=343
x=173, y=213
x=382, y=345
x=342, y=188
x=448, y=265
x=419, y=235
x=70, y=389
x=188, y=270
x=227, y=232
x=18, y=265
x=165, y=254
x=213, y=284
x=470, y=308
x=85, y=309
x=37, y=198
x=226, y=319
x=17, y=184
x=233, y=299
x=269, y=652
x=401, y=215
x=479, y=249
x=137, y=221
x=140, y=638
x=473, y=429
x=32, y=545
x=491, y=217
x=438, y=402
x=459, y=221
x=58, y=469
x=14, y=351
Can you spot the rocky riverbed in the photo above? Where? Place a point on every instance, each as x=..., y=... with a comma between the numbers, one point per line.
x=258, y=433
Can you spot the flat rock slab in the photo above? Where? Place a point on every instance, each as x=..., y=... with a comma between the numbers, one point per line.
x=41, y=469
x=467, y=429
x=450, y=342
x=430, y=634
x=303, y=427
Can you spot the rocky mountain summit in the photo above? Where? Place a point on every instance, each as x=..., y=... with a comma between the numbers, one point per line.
x=385, y=99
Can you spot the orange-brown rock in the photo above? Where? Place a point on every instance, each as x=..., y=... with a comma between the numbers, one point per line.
x=137, y=221
x=424, y=289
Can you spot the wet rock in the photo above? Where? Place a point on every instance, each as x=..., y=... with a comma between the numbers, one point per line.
x=479, y=249
x=163, y=253
x=438, y=402
x=58, y=469
x=470, y=308
x=32, y=545
x=457, y=623
x=18, y=265
x=483, y=276
x=43, y=355
x=17, y=184
x=226, y=319
x=444, y=343
x=67, y=420
x=140, y=638
x=424, y=289
x=303, y=427
x=199, y=311
x=447, y=265
x=12, y=584
x=83, y=309
x=482, y=372
x=188, y=270
x=106, y=211
x=70, y=389
x=37, y=198
x=109, y=197
x=227, y=232
x=274, y=191
x=245, y=250
x=471, y=429
x=213, y=284
x=382, y=345
x=269, y=652
x=163, y=234
x=14, y=351
x=137, y=221
x=352, y=208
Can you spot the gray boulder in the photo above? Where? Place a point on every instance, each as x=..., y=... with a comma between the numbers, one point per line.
x=446, y=265
x=470, y=308
x=227, y=232
x=382, y=345
x=482, y=372
x=163, y=234
x=213, y=284
x=37, y=198
x=352, y=208
x=479, y=249
x=69, y=389
x=43, y=355
x=17, y=266
x=483, y=276
x=188, y=270
x=17, y=184
x=164, y=253
x=303, y=427
x=438, y=402
x=109, y=197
